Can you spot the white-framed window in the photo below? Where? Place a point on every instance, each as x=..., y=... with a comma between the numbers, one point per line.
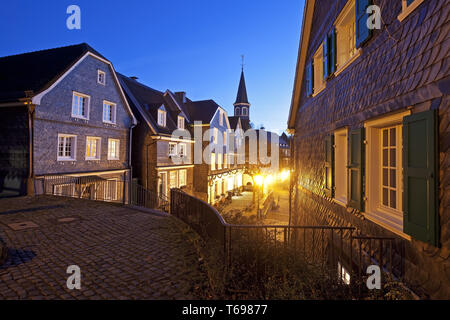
x=172, y=149
x=244, y=111
x=67, y=146
x=180, y=122
x=101, y=77
x=182, y=149
x=109, y=112
x=162, y=116
x=384, y=170
x=319, y=83
x=173, y=177
x=346, y=35
x=408, y=6
x=113, y=149
x=238, y=111
x=182, y=178
x=221, y=118
x=80, y=105
x=213, y=161
x=93, y=148
x=340, y=165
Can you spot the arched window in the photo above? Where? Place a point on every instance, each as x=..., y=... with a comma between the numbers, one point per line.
x=244, y=111
x=238, y=111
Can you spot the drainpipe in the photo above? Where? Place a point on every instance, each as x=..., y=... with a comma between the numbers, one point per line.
x=130, y=178
x=30, y=179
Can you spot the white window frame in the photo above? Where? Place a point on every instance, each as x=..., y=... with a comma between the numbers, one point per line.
x=73, y=151
x=162, y=117
x=175, y=178
x=319, y=83
x=98, y=148
x=113, y=111
x=340, y=166
x=101, y=73
x=182, y=174
x=406, y=10
x=173, y=149
x=182, y=150
x=88, y=107
x=391, y=219
x=347, y=15
x=115, y=156
x=180, y=122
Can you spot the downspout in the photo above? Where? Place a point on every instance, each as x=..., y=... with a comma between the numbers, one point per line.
x=30, y=179
x=130, y=179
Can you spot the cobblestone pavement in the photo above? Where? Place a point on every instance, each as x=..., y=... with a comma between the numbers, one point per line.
x=123, y=253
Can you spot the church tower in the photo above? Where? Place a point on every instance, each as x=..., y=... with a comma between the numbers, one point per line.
x=242, y=106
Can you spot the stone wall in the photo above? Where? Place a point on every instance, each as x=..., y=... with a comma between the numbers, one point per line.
x=404, y=65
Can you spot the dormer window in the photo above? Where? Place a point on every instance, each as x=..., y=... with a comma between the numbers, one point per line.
x=180, y=123
x=101, y=77
x=162, y=116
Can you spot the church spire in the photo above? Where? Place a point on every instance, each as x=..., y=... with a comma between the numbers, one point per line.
x=241, y=97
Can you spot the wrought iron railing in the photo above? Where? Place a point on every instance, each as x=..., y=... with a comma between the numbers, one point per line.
x=143, y=197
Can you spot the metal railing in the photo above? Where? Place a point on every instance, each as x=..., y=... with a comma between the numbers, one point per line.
x=143, y=197
x=325, y=246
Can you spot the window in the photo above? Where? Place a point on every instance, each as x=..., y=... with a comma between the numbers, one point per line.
x=67, y=145
x=340, y=166
x=180, y=123
x=225, y=161
x=221, y=118
x=384, y=181
x=238, y=111
x=80, y=106
x=219, y=161
x=162, y=116
x=182, y=177
x=109, y=112
x=173, y=176
x=213, y=161
x=182, y=150
x=408, y=6
x=101, y=77
x=343, y=274
x=319, y=83
x=172, y=149
x=346, y=35
x=113, y=149
x=93, y=148
x=244, y=111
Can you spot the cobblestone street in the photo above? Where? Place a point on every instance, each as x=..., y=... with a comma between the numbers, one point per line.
x=123, y=253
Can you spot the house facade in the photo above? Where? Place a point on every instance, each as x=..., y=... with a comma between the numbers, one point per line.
x=370, y=114
x=162, y=143
x=65, y=115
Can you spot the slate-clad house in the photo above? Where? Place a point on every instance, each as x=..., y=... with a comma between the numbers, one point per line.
x=154, y=148
x=63, y=113
x=370, y=113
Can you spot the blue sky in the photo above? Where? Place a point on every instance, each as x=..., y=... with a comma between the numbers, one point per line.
x=181, y=45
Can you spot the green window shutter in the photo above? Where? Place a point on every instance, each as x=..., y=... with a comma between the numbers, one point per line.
x=421, y=219
x=356, y=169
x=326, y=67
x=309, y=79
x=332, y=52
x=329, y=166
x=362, y=32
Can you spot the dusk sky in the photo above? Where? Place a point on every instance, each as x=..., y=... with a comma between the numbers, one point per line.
x=193, y=46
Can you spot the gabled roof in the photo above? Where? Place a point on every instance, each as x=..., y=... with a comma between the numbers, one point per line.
x=146, y=101
x=234, y=121
x=241, y=97
x=301, y=61
x=36, y=71
x=203, y=110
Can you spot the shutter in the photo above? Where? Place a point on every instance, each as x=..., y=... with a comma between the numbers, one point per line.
x=326, y=67
x=363, y=33
x=329, y=166
x=310, y=79
x=332, y=52
x=356, y=169
x=421, y=220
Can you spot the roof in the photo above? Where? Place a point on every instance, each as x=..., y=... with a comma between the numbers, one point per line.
x=203, y=110
x=241, y=97
x=146, y=101
x=234, y=120
x=284, y=139
x=301, y=61
x=36, y=71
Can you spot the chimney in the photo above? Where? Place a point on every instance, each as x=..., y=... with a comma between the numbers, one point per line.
x=181, y=96
x=134, y=78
